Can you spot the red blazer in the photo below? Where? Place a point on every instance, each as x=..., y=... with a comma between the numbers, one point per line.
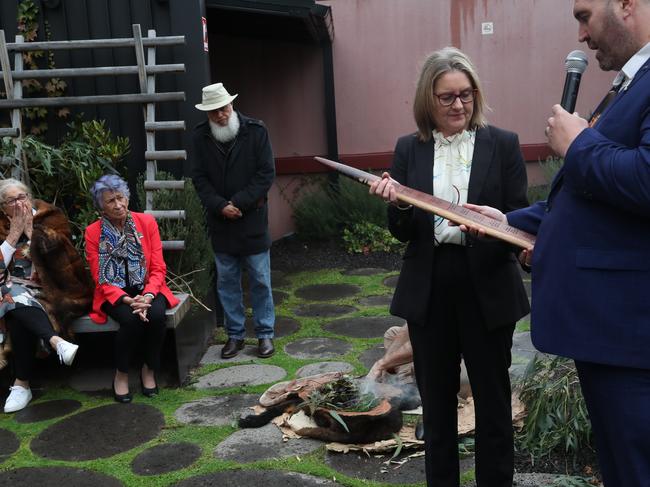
x=156, y=269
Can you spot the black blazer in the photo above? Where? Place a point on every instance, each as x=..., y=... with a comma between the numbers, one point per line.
x=498, y=178
x=244, y=174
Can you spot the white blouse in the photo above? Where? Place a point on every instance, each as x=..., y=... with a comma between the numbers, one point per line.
x=452, y=166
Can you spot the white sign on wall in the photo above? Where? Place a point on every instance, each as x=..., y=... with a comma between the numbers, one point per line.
x=487, y=28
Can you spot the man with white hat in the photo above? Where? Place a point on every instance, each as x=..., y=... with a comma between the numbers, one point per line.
x=233, y=172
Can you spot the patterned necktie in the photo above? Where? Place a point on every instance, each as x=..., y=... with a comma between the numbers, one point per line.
x=611, y=94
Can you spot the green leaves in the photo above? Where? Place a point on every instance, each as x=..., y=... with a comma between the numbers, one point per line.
x=557, y=414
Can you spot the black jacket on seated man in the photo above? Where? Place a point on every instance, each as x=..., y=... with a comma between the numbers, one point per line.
x=241, y=171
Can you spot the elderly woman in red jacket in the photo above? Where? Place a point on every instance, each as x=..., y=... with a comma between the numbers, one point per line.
x=124, y=251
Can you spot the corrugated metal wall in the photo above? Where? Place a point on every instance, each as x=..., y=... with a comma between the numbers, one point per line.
x=99, y=19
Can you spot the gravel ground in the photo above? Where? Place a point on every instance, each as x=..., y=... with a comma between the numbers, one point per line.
x=291, y=255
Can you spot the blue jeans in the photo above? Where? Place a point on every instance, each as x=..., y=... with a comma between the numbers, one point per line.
x=229, y=290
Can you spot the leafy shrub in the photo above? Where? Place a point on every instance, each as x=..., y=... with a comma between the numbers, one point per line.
x=190, y=270
x=557, y=414
x=366, y=237
x=63, y=175
x=328, y=208
x=550, y=167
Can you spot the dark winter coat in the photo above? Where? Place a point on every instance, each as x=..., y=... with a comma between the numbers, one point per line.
x=243, y=174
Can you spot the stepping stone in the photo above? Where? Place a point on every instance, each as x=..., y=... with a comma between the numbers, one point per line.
x=9, y=443
x=379, y=300
x=279, y=297
x=374, y=468
x=213, y=355
x=391, y=281
x=284, y=326
x=533, y=479
x=317, y=348
x=266, y=478
x=47, y=410
x=265, y=443
x=363, y=326
x=66, y=476
x=327, y=292
x=165, y=458
x=323, y=310
x=99, y=433
x=365, y=271
x=371, y=355
x=216, y=411
x=522, y=346
x=323, y=368
x=101, y=379
x=241, y=375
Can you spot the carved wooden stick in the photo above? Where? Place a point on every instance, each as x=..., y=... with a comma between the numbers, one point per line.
x=446, y=209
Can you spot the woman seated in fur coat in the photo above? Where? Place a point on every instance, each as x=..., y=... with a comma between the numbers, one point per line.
x=43, y=283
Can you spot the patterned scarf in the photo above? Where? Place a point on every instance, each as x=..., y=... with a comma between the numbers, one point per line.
x=116, y=249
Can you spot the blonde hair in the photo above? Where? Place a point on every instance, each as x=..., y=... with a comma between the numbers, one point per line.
x=435, y=65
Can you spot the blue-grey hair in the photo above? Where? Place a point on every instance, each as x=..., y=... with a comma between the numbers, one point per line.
x=108, y=182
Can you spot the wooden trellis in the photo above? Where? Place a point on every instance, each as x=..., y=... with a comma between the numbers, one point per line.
x=146, y=70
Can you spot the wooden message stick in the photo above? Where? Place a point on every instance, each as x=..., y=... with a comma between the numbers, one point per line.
x=446, y=209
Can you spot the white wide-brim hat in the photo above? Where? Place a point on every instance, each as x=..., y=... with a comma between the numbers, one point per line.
x=215, y=96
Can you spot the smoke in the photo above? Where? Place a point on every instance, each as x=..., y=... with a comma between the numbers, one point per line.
x=399, y=390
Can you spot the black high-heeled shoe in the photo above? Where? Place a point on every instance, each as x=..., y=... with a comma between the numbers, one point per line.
x=148, y=391
x=121, y=398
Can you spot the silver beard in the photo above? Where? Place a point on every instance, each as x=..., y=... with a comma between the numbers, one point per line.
x=227, y=133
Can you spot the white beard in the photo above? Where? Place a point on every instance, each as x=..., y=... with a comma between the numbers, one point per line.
x=227, y=133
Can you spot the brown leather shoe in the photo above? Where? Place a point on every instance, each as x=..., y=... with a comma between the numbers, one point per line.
x=231, y=348
x=265, y=347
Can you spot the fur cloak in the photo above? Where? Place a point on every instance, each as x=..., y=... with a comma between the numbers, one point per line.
x=67, y=288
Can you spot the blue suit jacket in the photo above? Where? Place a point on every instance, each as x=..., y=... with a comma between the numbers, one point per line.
x=591, y=264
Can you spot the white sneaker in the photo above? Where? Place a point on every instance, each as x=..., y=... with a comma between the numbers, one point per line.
x=66, y=351
x=18, y=399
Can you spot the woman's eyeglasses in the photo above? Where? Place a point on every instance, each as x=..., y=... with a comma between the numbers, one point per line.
x=447, y=99
x=13, y=201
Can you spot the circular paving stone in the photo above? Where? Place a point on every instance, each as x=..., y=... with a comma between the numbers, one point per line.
x=364, y=271
x=9, y=443
x=370, y=356
x=279, y=297
x=323, y=368
x=323, y=310
x=216, y=411
x=363, y=326
x=165, y=458
x=64, y=476
x=265, y=443
x=284, y=326
x=319, y=348
x=47, y=410
x=375, y=469
x=380, y=300
x=99, y=432
x=327, y=292
x=391, y=281
x=266, y=478
x=241, y=375
x=213, y=355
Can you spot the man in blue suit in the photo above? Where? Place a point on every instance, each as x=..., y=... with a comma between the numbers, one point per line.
x=591, y=262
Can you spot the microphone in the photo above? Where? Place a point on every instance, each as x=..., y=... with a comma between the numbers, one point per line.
x=575, y=64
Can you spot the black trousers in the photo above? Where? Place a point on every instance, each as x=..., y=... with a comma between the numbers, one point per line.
x=135, y=334
x=457, y=328
x=26, y=325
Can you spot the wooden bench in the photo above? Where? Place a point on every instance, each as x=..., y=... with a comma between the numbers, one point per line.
x=174, y=316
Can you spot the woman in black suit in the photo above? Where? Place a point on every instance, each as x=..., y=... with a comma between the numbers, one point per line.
x=460, y=296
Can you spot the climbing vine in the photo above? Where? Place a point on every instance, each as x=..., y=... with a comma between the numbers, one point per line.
x=28, y=25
